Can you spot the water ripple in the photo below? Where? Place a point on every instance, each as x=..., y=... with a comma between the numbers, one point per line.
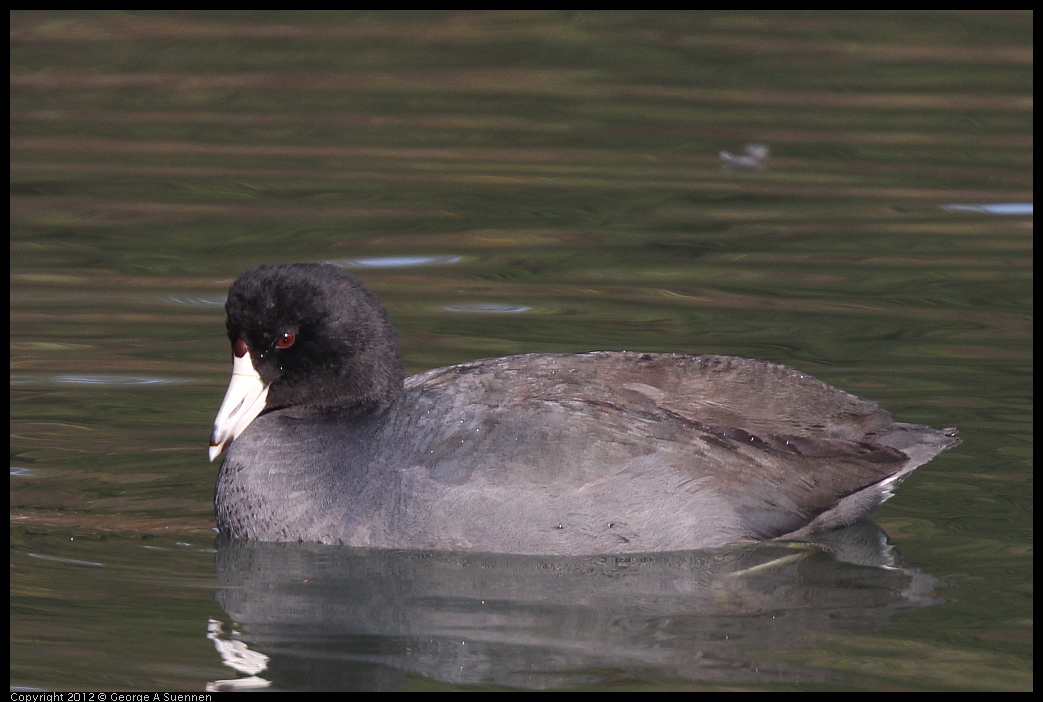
x=92, y=379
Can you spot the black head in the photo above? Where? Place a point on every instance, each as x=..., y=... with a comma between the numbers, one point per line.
x=316, y=336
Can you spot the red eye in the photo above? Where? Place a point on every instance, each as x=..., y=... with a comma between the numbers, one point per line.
x=286, y=340
x=239, y=348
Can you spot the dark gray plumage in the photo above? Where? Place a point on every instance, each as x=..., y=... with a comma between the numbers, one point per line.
x=603, y=452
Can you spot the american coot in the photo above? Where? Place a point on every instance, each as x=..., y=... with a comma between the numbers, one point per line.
x=603, y=452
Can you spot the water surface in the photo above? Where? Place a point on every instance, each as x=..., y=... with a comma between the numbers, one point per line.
x=518, y=182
